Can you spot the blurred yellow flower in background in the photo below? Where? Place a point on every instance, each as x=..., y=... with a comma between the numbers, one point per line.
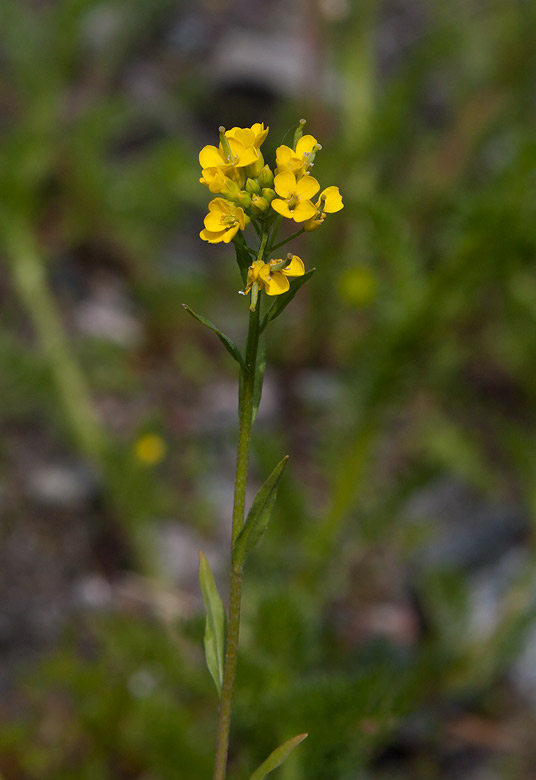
x=150, y=449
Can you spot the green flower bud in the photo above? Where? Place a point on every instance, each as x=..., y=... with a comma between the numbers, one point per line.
x=253, y=170
x=298, y=133
x=268, y=194
x=266, y=177
x=244, y=199
x=252, y=186
x=260, y=204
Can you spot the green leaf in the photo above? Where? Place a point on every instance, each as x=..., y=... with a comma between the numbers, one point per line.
x=282, y=301
x=244, y=257
x=259, y=376
x=229, y=345
x=215, y=625
x=258, y=516
x=276, y=758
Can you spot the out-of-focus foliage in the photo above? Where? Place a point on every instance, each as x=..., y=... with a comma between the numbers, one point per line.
x=405, y=366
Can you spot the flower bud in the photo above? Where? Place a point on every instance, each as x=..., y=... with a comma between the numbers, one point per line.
x=252, y=186
x=259, y=204
x=266, y=177
x=243, y=199
x=298, y=133
x=268, y=194
x=255, y=168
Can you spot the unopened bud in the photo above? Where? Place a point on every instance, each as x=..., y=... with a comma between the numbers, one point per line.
x=298, y=133
x=259, y=204
x=266, y=177
x=252, y=186
x=268, y=194
x=253, y=170
x=224, y=143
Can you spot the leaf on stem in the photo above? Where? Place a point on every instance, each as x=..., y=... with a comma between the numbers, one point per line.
x=282, y=301
x=215, y=624
x=259, y=376
x=277, y=757
x=229, y=345
x=258, y=516
x=243, y=257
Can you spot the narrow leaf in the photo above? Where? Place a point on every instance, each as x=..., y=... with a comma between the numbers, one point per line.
x=276, y=758
x=243, y=256
x=258, y=516
x=229, y=345
x=215, y=625
x=259, y=376
x=282, y=301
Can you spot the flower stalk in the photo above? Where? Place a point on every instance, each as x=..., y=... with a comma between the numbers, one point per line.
x=250, y=193
x=235, y=598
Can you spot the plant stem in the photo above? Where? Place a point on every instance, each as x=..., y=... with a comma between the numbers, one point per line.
x=233, y=626
x=286, y=240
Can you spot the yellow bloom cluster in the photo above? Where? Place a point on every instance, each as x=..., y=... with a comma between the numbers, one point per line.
x=248, y=190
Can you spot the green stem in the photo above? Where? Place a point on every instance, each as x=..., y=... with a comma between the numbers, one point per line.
x=233, y=626
x=286, y=240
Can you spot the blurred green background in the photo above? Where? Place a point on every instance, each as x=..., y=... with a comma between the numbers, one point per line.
x=390, y=610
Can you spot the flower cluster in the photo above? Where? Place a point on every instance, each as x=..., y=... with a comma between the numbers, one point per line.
x=248, y=191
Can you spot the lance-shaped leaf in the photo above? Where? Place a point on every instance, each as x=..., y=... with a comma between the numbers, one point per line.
x=229, y=345
x=244, y=256
x=276, y=758
x=258, y=516
x=259, y=376
x=260, y=367
x=215, y=624
x=282, y=301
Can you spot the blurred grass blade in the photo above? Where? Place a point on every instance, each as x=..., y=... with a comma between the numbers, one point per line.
x=258, y=516
x=215, y=625
x=229, y=345
x=282, y=301
x=276, y=758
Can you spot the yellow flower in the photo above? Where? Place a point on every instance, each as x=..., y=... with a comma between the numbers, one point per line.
x=329, y=202
x=249, y=136
x=272, y=276
x=218, y=182
x=223, y=221
x=150, y=449
x=294, y=196
x=231, y=153
x=300, y=161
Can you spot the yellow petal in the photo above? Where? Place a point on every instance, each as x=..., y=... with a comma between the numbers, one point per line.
x=220, y=205
x=333, y=201
x=281, y=206
x=277, y=284
x=304, y=210
x=210, y=157
x=307, y=187
x=230, y=234
x=213, y=237
x=295, y=267
x=213, y=221
x=305, y=145
x=285, y=184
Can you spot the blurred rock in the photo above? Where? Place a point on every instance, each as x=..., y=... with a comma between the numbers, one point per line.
x=67, y=485
x=106, y=315
x=461, y=529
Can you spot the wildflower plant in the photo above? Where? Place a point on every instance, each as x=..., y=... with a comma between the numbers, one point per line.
x=250, y=195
